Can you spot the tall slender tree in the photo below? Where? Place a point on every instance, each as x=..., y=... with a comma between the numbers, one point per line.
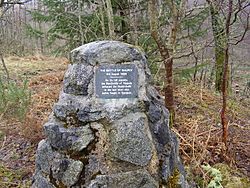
x=219, y=40
x=223, y=16
x=165, y=53
x=167, y=47
x=224, y=118
x=110, y=19
x=218, y=21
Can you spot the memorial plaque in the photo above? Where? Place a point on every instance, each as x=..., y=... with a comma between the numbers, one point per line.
x=116, y=81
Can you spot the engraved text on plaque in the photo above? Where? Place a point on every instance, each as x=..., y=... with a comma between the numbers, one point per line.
x=116, y=81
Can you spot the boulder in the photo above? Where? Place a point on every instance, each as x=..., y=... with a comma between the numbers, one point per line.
x=110, y=127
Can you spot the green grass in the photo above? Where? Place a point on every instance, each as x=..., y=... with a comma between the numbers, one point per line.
x=11, y=178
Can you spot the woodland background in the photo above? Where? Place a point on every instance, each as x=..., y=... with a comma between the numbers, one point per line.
x=198, y=52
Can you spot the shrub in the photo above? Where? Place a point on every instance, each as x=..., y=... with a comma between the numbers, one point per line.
x=14, y=99
x=216, y=177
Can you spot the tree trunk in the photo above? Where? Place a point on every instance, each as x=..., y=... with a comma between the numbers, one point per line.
x=219, y=42
x=1, y=8
x=80, y=21
x=5, y=68
x=224, y=118
x=110, y=19
x=102, y=21
x=39, y=6
x=168, y=61
x=123, y=5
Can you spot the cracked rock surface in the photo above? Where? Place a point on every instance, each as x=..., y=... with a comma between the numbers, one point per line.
x=107, y=143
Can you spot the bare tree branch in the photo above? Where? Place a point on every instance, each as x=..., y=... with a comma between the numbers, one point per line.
x=245, y=31
x=240, y=8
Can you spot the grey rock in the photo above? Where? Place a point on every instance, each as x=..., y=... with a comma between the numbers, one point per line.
x=117, y=110
x=76, y=112
x=171, y=162
x=41, y=182
x=49, y=161
x=154, y=96
x=132, y=179
x=77, y=79
x=130, y=141
x=159, y=118
x=158, y=125
x=154, y=113
x=67, y=171
x=69, y=139
x=89, y=113
x=165, y=140
x=64, y=110
x=101, y=52
x=44, y=156
x=97, y=159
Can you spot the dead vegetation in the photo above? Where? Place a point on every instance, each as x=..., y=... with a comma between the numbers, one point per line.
x=18, y=140
x=200, y=132
x=46, y=90
x=197, y=125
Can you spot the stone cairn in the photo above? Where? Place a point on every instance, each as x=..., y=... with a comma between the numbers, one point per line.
x=110, y=128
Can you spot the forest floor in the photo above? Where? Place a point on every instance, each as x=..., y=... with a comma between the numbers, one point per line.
x=197, y=126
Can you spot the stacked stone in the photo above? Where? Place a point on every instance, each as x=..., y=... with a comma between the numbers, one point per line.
x=110, y=143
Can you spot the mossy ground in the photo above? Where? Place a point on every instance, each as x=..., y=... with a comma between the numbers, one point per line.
x=231, y=178
x=10, y=178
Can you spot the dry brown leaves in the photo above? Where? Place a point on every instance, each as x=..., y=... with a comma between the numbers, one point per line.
x=199, y=130
x=18, y=145
x=45, y=91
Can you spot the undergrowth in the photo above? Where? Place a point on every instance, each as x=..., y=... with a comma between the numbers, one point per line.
x=9, y=178
x=14, y=99
x=197, y=123
x=215, y=175
x=199, y=129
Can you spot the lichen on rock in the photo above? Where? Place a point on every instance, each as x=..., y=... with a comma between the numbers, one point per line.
x=131, y=179
x=130, y=141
